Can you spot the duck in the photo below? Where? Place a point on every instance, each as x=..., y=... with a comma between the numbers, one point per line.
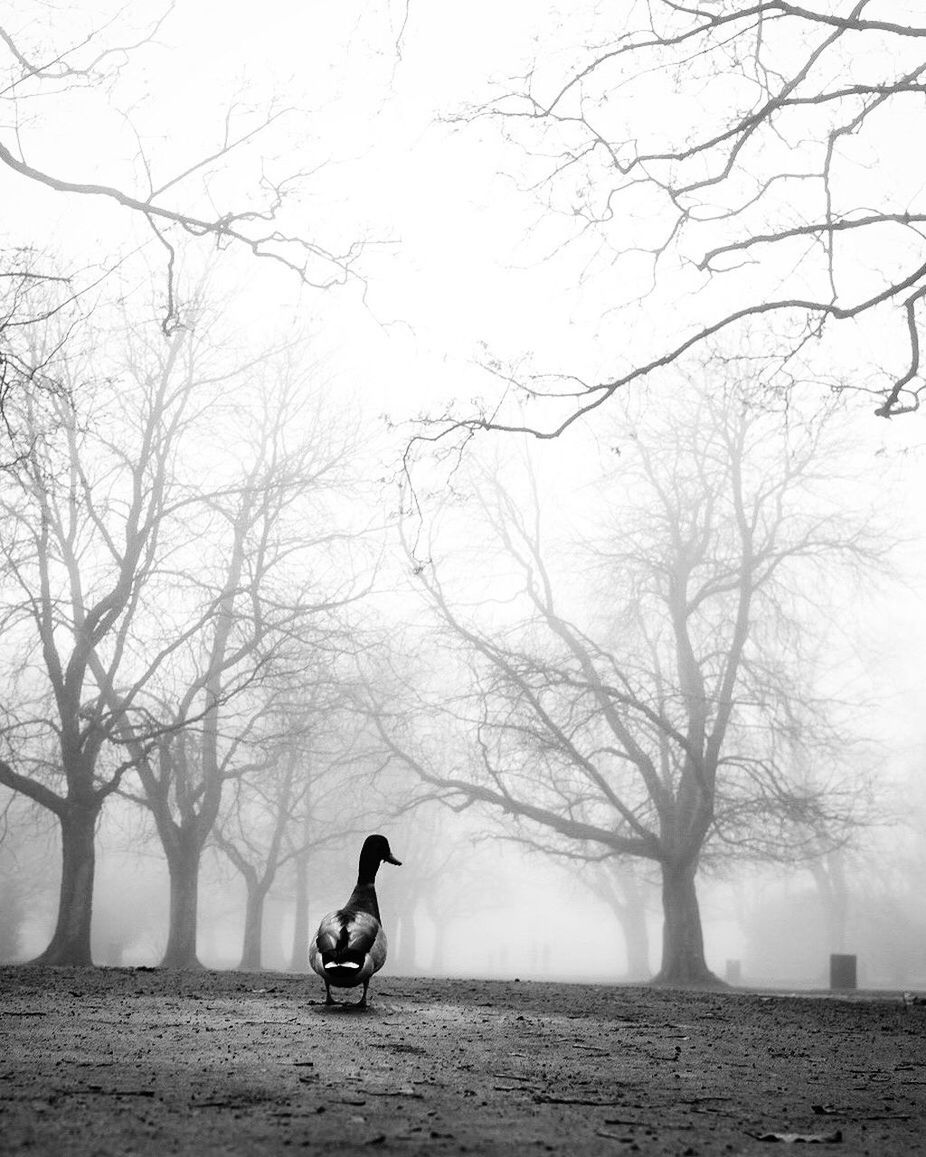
x=350, y=944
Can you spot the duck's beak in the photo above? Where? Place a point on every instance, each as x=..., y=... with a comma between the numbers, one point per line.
x=390, y=859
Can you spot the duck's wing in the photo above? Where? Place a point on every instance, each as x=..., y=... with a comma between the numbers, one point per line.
x=348, y=945
x=319, y=942
x=328, y=936
x=374, y=953
x=377, y=953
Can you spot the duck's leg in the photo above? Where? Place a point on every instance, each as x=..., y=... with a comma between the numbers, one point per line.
x=329, y=999
x=362, y=1002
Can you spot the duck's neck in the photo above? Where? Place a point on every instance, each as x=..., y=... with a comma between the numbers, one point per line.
x=369, y=866
x=363, y=899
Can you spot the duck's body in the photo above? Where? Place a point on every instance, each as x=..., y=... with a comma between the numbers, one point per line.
x=350, y=944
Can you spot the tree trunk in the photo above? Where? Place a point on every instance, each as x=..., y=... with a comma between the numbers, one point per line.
x=253, y=929
x=410, y=943
x=683, y=961
x=299, y=962
x=12, y=918
x=70, y=943
x=631, y=916
x=183, y=865
x=440, y=944
x=406, y=949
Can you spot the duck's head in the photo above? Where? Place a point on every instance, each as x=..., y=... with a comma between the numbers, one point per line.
x=375, y=850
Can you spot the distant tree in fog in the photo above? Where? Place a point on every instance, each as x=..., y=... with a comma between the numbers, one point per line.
x=618, y=882
x=262, y=582
x=169, y=531
x=867, y=894
x=26, y=871
x=650, y=689
x=623, y=889
x=313, y=794
x=252, y=832
x=437, y=867
x=83, y=515
x=829, y=875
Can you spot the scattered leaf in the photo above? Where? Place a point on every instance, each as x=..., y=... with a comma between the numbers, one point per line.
x=809, y=1138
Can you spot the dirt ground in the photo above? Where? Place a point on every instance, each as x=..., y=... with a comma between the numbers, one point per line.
x=125, y=1061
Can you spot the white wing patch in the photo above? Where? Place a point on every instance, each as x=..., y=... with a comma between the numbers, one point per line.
x=342, y=964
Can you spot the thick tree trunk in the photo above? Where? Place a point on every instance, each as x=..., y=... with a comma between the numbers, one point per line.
x=299, y=962
x=183, y=866
x=70, y=943
x=253, y=929
x=683, y=961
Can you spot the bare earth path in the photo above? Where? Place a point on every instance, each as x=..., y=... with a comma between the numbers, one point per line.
x=121, y=1061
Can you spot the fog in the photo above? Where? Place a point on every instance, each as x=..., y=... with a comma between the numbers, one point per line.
x=364, y=470
x=498, y=912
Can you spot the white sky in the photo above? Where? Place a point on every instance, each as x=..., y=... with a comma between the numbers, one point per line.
x=452, y=224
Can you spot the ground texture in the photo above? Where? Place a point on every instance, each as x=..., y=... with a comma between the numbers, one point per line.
x=122, y=1061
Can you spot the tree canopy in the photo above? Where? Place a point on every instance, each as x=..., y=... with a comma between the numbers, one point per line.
x=728, y=169
x=646, y=686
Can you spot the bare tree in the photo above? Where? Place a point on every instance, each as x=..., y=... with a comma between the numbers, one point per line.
x=668, y=711
x=146, y=584
x=81, y=519
x=29, y=298
x=309, y=797
x=26, y=870
x=733, y=168
x=431, y=851
x=252, y=836
x=265, y=584
x=622, y=884
x=47, y=64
